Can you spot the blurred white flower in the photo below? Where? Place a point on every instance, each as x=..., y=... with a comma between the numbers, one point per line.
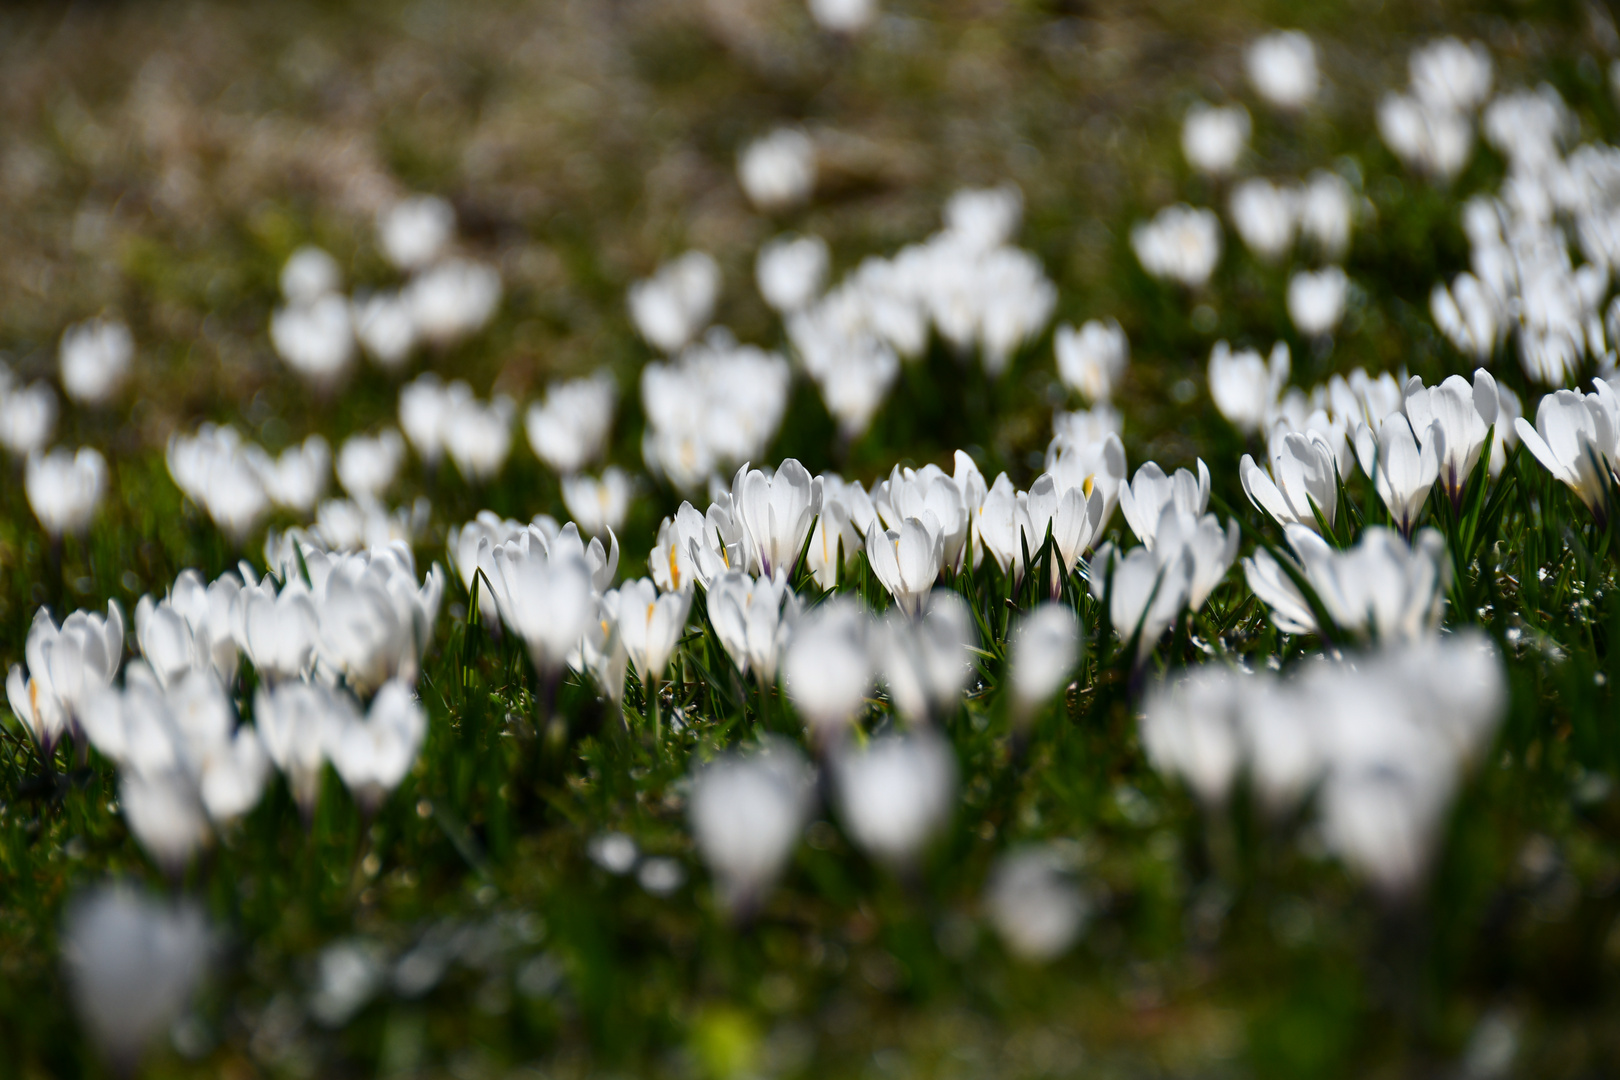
x=673, y=306
x=1326, y=212
x=827, y=669
x=1045, y=648
x=599, y=506
x=1192, y=727
x=133, y=963
x=1214, y=137
x=386, y=327
x=1448, y=74
x=1468, y=316
x=753, y=618
x=416, y=231
x=27, y=416
x=1181, y=244
x=374, y=620
x=843, y=16
x=1245, y=387
x=464, y=545
x=309, y=274
x=297, y=479
x=453, y=299
x=1434, y=141
x=225, y=476
x=1034, y=904
x=1461, y=412
x=778, y=171
x=477, y=435
x=896, y=793
x=353, y=525
x=1092, y=360
x=316, y=339
x=791, y=271
x=747, y=811
x=984, y=218
x=64, y=488
x=1144, y=499
x=95, y=356
x=190, y=629
x=926, y=661
x=296, y=722
x=277, y=630
x=651, y=625
x=1211, y=548
x=367, y=464
x=545, y=596
x=570, y=429
x=1382, y=586
x=1282, y=68
x=424, y=402
x=1316, y=300
x=66, y=667
x=374, y=754
x=1265, y=216
x=1145, y=590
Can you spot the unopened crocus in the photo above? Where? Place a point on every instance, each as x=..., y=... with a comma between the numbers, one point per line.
x=1316, y=300
x=776, y=511
x=1401, y=471
x=373, y=754
x=651, y=625
x=753, y=618
x=790, y=271
x=1092, y=360
x=907, y=560
x=1300, y=480
x=367, y=464
x=599, y=505
x=1245, y=387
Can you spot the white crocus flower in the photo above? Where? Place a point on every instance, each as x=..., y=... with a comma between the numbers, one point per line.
x=95, y=356
x=1033, y=903
x=1282, y=68
x=423, y=404
x=1468, y=316
x=1265, y=217
x=1181, y=244
x=373, y=754
x=1448, y=74
x=1463, y=413
x=1073, y=518
x=599, y=505
x=834, y=541
x=453, y=299
x=296, y=722
x=673, y=306
x=478, y=435
x=415, y=231
x=297, y=479
x=1144, y=499
x=1506, y=437
x=1001, y=524
x=1212, y=548
x=1214, y=137
x=133, y=963
x=747, y=811
x=1245, y=387
x=776, y=511
x=66, y=667
x=907, y=560
x=778, y=171
x=1045, y=648
x=927, y=661
x=1575, y=439
x=1382, y=587
x=1434, y=141
x=191, y=628
x=827, y=668
x=651, y=625
x=601, y=649
x=570, y=428
x=64, y=488
x=1316, y=300
x=27, y=417
x=1300, y=480
x=1326, y=210
x=367, y=464
x=896, y=793
x=921, y=494
x=374, y=619
x=309, y=274
x=1191, y=727
x=544, y=596
x=1401, y=472
x=752, y=617
x=1145, y=593
x=791, y=271
x=1092, y=360
x=276, y=631
x=385, y=326
x=316, y=339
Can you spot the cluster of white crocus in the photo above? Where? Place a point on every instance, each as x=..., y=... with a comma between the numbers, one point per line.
x=1282, y=69
x=1523, y=280
x=66, y=666
x=1377, y=741
x=95, y=357
x=1181, y=244
x=1184, y=554
x=778, y=171
x=1269, y=217
x=1214, y=137
x=716, y=405
x=64, y=488
x=1382, y=588
x=447, y=420
x=447, y=298
x=27, y=414
x=1431, y=127
x=791, y=271
x=569, y=429
x=1576, y=437
x=236, y=482
x=967, y=282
